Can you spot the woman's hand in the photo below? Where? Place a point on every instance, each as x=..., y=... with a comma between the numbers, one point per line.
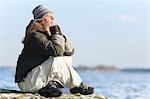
x=55, y=30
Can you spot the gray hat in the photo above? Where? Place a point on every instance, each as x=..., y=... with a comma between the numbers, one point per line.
x=39, y=11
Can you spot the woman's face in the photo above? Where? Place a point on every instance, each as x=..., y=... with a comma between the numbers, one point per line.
x=49, y=19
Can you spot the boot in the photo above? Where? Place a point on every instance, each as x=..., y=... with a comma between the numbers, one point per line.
x=82, y=89
x=51, y=90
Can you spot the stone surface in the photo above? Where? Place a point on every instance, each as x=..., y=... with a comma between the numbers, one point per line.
x=37, y=96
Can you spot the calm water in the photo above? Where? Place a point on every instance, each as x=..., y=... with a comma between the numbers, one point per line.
x=116, y=85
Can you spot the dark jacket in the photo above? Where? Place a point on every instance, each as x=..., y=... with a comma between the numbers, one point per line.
x=37, y=49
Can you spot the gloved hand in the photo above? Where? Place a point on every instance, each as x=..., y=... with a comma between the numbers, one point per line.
x=55, y=30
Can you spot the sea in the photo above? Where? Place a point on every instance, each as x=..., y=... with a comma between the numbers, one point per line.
x=114, y=85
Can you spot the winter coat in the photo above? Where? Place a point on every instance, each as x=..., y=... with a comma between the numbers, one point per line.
x=38, y=46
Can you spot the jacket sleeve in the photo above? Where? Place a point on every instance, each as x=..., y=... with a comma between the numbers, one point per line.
x=58, y=40
x=41, y=45
x=69, y=48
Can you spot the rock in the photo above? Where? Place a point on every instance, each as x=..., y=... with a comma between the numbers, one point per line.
x=14, y=94
x=37, y=96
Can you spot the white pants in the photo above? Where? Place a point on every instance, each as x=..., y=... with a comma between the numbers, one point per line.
x=53, y=69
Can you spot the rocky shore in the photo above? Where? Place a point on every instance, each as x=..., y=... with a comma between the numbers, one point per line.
x=37, y=96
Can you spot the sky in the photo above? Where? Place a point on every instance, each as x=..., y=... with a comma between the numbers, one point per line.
x=104, y=32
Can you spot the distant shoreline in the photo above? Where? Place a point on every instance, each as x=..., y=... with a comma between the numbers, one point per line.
x=100, y=68
x=111, y=69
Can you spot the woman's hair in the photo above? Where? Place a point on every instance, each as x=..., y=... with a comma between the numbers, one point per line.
x=33, y=26
x=27, y=31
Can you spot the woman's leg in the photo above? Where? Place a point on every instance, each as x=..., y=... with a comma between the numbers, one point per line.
x=63, y=72
x=37, y=78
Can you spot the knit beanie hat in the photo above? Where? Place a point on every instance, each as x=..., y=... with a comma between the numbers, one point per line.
x=39, y=11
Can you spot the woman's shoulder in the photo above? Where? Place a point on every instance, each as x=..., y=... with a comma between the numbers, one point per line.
x=38, y=26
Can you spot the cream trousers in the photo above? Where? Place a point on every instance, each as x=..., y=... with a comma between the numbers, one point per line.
x=53, y=69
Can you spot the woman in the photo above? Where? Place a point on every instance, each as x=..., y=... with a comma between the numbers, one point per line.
x=45, y=64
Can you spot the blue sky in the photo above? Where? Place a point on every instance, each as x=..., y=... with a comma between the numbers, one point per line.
x=109, y=32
